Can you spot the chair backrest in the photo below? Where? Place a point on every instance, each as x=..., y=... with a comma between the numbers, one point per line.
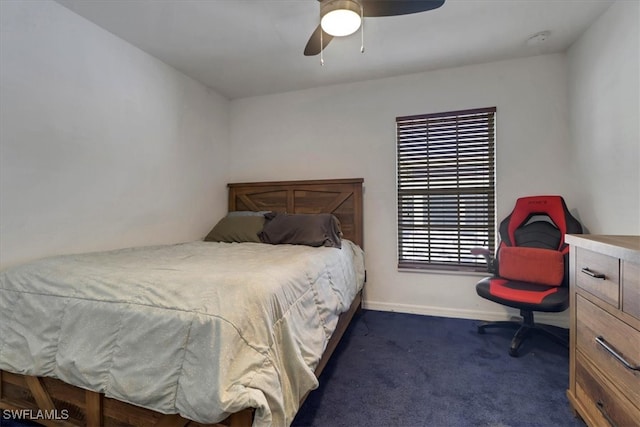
x=539, y=222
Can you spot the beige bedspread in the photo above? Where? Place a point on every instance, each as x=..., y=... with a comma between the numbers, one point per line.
x=201, y=329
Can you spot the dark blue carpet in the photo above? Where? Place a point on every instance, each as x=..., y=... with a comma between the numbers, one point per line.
x=394, y=369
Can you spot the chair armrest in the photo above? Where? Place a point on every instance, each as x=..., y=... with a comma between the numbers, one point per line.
x=491, y=267
x=480, y=251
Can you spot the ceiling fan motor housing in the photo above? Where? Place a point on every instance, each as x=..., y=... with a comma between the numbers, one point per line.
x=329, y=5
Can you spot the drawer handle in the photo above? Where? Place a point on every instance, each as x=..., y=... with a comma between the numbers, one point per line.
x=593, y=274
x=617, y=355
x=603, y=411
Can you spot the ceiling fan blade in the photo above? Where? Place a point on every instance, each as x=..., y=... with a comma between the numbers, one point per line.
x=373, y=8
x=313, y=45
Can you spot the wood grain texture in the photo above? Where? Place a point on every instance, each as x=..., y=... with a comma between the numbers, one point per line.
x=631, y=288
x=340, y=197
x=608, y=287
x=93, y=404
x=604, y=380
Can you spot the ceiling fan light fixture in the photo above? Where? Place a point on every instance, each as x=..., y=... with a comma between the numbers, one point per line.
x=340, y=17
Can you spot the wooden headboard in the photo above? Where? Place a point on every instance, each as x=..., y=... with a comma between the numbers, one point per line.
x=341, y=197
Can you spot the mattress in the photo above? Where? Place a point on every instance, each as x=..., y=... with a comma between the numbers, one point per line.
x=202, y=329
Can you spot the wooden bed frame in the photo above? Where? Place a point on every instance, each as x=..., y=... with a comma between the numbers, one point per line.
x=56, y=399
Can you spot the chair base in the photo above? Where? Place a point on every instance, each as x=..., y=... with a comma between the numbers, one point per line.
x=525, y=328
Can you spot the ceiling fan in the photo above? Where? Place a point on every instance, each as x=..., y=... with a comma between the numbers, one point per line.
x=350, y=13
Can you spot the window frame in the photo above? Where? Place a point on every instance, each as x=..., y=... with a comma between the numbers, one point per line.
x=438, y=157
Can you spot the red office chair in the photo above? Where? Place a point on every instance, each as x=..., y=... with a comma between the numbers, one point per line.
x=531, y=266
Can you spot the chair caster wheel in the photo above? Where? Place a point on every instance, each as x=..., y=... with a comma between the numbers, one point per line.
x=513, y=352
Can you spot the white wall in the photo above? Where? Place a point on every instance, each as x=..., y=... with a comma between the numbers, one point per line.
x=349, y=131
x=101, y=145
x=604, y=97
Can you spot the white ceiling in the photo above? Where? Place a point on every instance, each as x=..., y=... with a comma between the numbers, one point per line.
x=244, y=48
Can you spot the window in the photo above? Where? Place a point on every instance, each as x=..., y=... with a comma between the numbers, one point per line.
x=446, y=189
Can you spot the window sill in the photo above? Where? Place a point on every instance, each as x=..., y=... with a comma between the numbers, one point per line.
x=445, y=272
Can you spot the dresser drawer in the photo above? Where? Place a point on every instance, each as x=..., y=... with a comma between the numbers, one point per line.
x=603, y=402
x=598, y=274
x=597, y=330
x=631, y=289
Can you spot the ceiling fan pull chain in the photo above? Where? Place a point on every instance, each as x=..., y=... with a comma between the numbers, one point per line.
x=361, y=28
x=321, y=42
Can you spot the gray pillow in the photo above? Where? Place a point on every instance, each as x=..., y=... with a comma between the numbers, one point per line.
x=302, y=229
x=238, y=228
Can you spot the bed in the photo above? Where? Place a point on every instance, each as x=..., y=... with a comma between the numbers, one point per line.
x=263, y=366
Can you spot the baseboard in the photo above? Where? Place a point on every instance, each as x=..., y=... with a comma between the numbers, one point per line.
x=556, y=319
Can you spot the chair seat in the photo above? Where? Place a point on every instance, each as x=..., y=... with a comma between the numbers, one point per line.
x=524, y=295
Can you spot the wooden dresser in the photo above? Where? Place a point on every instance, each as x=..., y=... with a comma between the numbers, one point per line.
x=604, y=380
